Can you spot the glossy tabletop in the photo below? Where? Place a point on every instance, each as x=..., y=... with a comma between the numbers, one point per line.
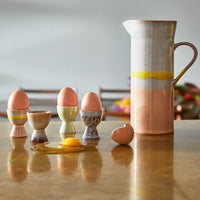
x=151, y=167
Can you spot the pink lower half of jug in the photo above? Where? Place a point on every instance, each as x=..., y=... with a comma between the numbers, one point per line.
x=152, y=111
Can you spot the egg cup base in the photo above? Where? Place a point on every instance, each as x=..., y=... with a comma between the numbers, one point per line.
x=91, y=133
x=18, y=132
x=91, y=142
x=39, y=136
x=67, y=128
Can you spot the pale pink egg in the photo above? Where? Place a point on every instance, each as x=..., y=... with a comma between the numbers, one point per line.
x=91, y=102
x=18, y=100
x=123, y=135
x=67, y=98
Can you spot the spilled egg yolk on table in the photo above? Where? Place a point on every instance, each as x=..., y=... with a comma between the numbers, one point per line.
x=68, y=145
x=71, y=142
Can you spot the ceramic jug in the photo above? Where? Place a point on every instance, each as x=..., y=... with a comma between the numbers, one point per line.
x=152, y=74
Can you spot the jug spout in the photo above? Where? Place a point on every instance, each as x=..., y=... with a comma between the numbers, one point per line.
x=127, y=26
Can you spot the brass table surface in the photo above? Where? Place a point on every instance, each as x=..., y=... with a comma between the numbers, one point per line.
x=151, y=167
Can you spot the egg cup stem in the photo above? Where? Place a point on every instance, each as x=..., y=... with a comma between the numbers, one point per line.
x=39, y=136
x=18, y=131
x=91, y=133
x=67, y=128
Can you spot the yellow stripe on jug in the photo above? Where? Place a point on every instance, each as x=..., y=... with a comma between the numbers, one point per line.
x=156, y=75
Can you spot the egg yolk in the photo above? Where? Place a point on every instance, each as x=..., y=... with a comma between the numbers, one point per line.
x=71, y=142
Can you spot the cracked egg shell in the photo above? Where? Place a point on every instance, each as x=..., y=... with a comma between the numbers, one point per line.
x=123, y=135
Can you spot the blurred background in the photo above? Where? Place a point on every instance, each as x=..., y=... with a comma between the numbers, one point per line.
x=81, y=43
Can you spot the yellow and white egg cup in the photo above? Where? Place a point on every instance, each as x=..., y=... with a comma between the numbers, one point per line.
x=18, y=118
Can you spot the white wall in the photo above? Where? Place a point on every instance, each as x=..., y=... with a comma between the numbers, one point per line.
x=81, y=43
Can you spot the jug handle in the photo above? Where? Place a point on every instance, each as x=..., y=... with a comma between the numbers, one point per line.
x=191, y=62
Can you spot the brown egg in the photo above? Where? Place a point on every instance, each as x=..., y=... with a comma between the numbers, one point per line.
x=123, y=135
x=67, y=98
x=18, y=100
x=91, y=102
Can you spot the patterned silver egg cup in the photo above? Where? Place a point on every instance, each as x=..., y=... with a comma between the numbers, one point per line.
x=91, y=120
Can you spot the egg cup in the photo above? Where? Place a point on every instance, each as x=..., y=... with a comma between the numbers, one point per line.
x=39, y=120
x=91, y=119
x=67, y=115
x=18, y=118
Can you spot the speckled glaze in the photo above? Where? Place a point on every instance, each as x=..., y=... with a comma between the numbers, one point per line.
x=152, y=74
x=39, y=120
x=18, y=118
x=91, y=121
x=67, y=115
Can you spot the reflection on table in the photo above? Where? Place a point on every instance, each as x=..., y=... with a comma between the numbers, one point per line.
x=18, y=160
x=151, y=167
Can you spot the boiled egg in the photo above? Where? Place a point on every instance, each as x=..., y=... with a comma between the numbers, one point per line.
x=18, y=100
x=91, y=102
x=67, y=98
